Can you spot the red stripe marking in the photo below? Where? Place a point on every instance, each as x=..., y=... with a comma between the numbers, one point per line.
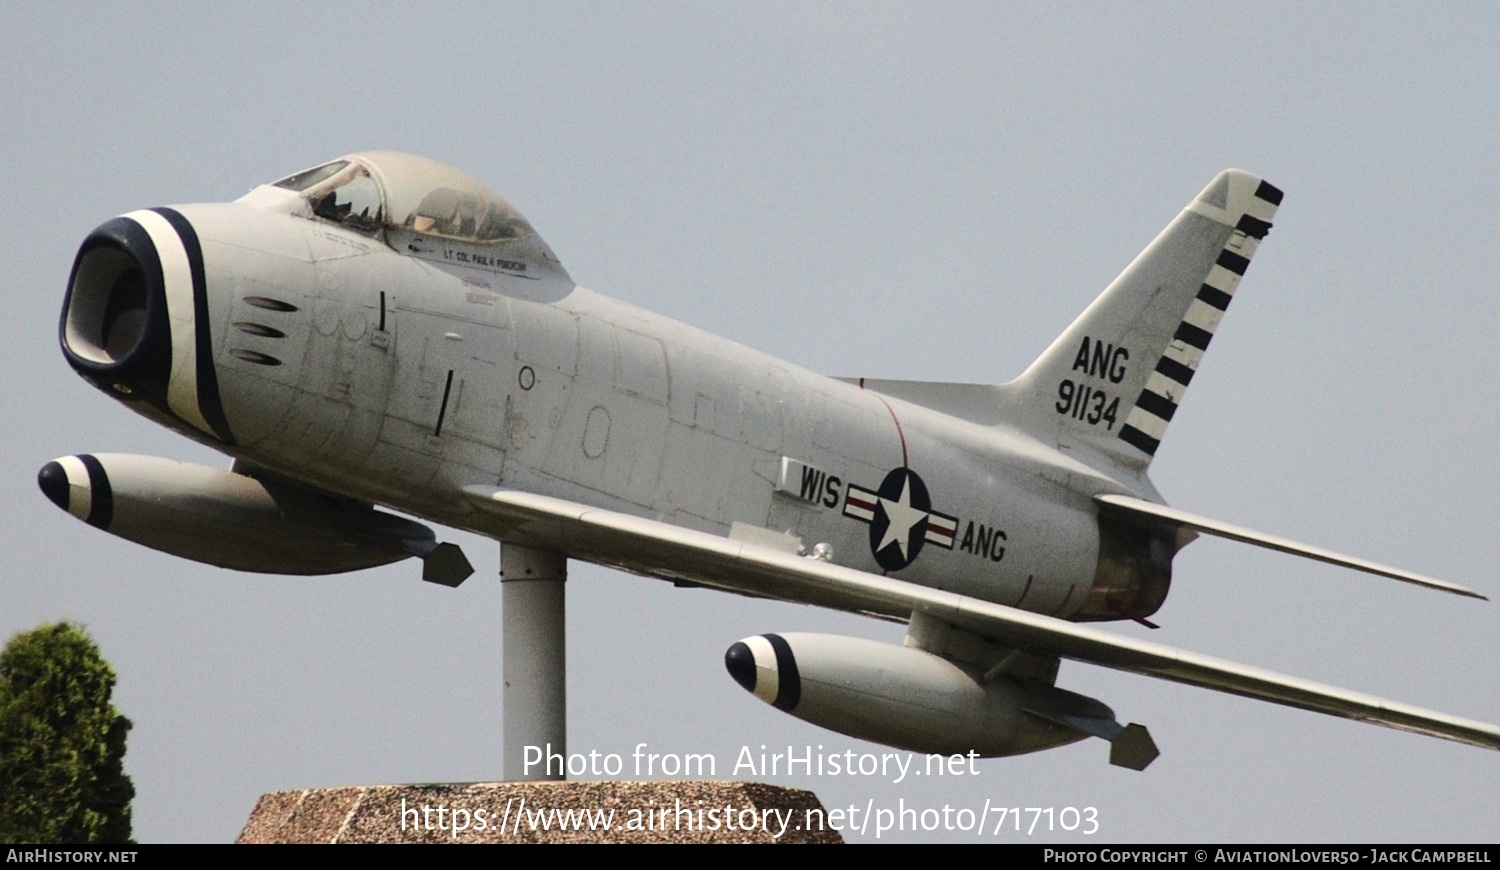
x=941, y=522
x=899, y=433
x=1024, y=591
x=1064, y=601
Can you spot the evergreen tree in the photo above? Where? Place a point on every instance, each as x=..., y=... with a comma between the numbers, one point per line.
x=62, y=743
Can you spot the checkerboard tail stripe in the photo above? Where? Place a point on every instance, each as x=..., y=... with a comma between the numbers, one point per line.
x=1158, y=400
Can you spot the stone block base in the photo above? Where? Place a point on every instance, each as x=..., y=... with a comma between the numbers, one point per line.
x=666, y=811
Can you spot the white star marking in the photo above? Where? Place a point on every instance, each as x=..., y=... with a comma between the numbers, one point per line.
x=902, y=518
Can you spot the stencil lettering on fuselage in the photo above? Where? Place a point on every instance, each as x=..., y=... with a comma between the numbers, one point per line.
x=1103, y=363
x=899, y=513
x=809, y=484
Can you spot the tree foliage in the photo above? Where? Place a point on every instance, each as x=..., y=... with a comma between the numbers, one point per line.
x=62, y=743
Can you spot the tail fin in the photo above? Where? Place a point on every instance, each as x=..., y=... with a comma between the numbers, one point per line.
x=1113, y=380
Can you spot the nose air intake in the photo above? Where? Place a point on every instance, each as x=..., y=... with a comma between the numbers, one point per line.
x=107, y=307
x=135, y=319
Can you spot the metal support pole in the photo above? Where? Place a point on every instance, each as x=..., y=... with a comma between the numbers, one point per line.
x=534, y=662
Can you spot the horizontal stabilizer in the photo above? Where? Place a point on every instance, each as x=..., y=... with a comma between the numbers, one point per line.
x=1176, y=518
x=661, y=549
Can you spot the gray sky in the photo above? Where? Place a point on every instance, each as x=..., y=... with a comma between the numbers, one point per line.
x=928, y=192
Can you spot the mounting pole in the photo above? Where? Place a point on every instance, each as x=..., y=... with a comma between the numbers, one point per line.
x=534, y=661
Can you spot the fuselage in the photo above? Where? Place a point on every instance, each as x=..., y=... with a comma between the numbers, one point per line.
x=397, y=370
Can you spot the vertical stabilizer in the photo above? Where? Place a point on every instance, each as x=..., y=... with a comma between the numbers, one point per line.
x=1114, y=379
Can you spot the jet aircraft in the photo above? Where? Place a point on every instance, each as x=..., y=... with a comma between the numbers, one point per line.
x=382, y=331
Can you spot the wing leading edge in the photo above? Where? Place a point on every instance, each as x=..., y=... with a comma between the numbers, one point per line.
x=663, y=550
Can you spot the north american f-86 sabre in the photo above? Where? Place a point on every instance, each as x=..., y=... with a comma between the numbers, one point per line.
x=382, y=331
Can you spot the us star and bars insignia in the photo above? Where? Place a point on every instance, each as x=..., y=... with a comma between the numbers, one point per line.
x=899, y=514
x=901, y=518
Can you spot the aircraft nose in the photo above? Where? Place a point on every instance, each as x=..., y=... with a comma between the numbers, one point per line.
x=110, y=296
x=135, y=318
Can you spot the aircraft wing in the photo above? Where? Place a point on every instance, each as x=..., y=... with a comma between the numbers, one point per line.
x=661, y=549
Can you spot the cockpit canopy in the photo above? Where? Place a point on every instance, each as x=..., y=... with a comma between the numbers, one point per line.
x=383, y=189
x=422, y=208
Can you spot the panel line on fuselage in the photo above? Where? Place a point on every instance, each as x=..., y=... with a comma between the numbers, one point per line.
x=905, y=463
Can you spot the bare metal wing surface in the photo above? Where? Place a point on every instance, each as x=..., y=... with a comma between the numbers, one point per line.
x=660, y=549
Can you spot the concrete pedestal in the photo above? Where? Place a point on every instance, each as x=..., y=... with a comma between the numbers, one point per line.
x=668, y=811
